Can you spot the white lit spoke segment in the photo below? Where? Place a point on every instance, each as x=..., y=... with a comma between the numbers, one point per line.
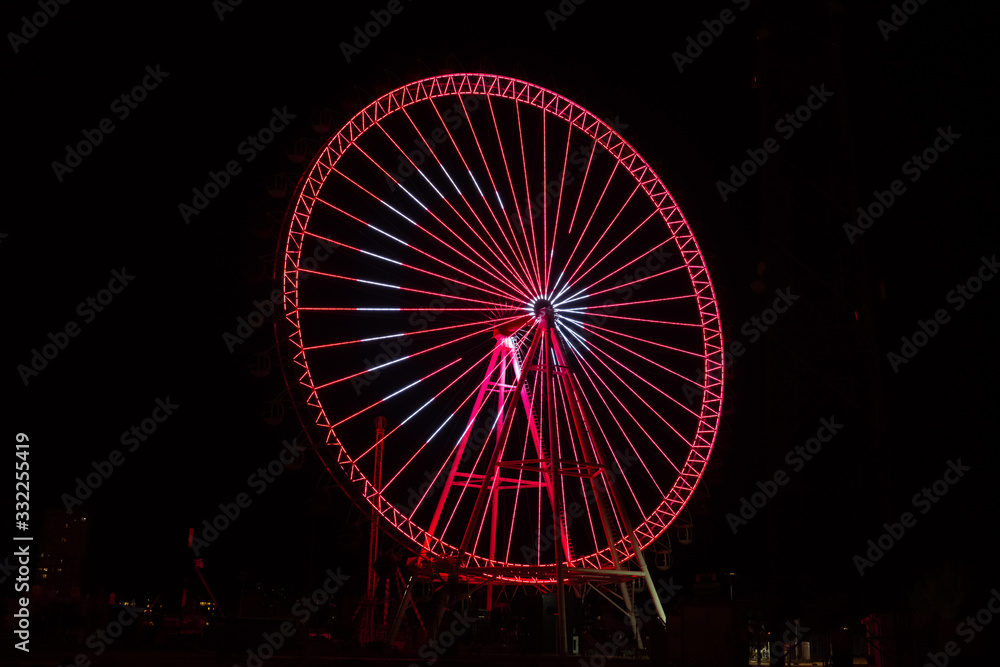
x=465, y=214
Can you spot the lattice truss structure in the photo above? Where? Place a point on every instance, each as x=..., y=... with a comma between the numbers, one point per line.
x=516, y=291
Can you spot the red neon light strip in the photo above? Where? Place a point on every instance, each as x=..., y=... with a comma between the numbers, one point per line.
x=587, y=371
x=647, y=360
x=510, y=180
x=615, y=247
x=495, y=321
x=489, y=247
x=527, y=191
x=383, y=400
x=606, y=439
x=523, y=262
x=555, y=224
x=546, y=259
x=461, y=493
x=630, y=303
x=700, y=355
x=631, y=282
x=562, y=416
x=418, y=226
x=583, y=185
x=593, y=246
x=517, y=495
x=403, y=358
x=414, y=413
x=641, y=399
x=439, y=220
x=422, y=252
x=454, y=297
x=410, y=266
x=468, y=427
x=579, y=458
x=489, y=172
x=361, y=309
x=651, y=321
x=481, y=223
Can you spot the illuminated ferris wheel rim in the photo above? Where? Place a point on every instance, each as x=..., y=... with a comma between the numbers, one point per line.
x=491, y=86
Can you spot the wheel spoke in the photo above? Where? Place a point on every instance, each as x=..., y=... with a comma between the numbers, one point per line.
x=492, y=248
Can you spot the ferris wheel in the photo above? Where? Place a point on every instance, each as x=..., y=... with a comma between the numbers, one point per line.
x=512, y=286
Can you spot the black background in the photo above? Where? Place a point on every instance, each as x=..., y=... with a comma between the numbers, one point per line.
x=163, y=335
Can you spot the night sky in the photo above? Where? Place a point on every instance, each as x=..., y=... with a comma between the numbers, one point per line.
x=216, y=78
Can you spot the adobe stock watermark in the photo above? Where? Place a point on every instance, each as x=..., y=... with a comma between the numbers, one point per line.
x=434, y=648
x=59, y=341
x=797, y=459
x=31, y=24
x=562, y=12
x=99, y=641
x=394, y=348
x=477, y=438
x=454, y=116
x=132, y=439
x=901, y=13
x=914, y=168
x=6, y=569
x=546, y=539
x=122, y=106
x=21, y=618
x=786, y=126
x=302, y=611
x=968, y=630
x=961, y=294
x=923, y=500
x=790, y=638
x=599, y=654
x=604, y=650
x=223, y=7
x=263, y=310
x=627, y=284
x=579, y=158
x=753, y=329
x=363, y=35
x=667, y=591
x=248, y=149
x=258, y=481
x=246, y=325
x=713, y=30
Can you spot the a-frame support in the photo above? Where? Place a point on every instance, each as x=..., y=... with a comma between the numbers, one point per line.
x=545, y=356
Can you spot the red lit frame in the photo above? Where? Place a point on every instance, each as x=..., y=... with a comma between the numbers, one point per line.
x=643, y=345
